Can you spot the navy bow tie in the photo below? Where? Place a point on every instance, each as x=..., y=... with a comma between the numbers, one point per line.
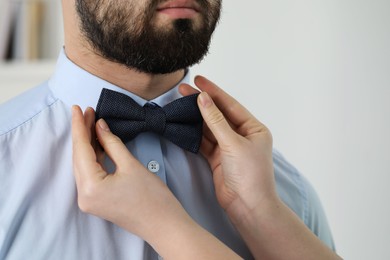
x=180, y=121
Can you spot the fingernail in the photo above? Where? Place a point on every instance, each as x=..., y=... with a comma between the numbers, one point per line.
x=205, y=99
x=74, y=109
x=103, y=125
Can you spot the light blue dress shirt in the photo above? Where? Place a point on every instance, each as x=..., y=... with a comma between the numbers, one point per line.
x=39, y=216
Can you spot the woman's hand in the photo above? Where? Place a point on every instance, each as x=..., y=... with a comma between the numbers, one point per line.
x=238, y=148
x=131, y=196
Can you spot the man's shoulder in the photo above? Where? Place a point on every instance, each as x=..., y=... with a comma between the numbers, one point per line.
x=24, y=107
x=292, y=186
x=289, y=184
x=300, y=196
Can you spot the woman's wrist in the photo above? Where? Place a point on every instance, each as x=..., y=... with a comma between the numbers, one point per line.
x=245, y=211
x=271, y=224
x=180, y=237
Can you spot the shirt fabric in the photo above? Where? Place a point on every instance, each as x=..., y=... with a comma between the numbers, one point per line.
x=39, y=215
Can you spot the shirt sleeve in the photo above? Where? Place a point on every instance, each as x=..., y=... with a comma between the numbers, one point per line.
x=299, y=195
x=315, y=217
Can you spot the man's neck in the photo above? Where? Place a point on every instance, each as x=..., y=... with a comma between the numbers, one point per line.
x=146, y=86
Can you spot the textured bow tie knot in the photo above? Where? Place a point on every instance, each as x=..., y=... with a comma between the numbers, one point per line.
x=180, y=121
x=155, y=118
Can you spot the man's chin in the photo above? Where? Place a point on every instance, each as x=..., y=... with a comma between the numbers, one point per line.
x=165, y=23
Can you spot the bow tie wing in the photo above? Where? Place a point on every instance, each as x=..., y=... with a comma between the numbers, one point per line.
x=184, y=123
x=180, y=121
x=124, y=116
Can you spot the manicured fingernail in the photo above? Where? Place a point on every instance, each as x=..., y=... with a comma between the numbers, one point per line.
x=205, y=99
x=103, y=125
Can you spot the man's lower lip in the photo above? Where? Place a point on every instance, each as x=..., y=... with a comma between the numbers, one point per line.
x=179, y=12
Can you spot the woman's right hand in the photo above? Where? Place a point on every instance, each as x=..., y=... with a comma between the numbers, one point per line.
x=131, y=197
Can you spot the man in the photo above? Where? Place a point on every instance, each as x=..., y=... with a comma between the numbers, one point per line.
x=141, y=49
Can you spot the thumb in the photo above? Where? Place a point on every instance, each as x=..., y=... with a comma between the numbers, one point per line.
x=215, y=120
x=113, y=146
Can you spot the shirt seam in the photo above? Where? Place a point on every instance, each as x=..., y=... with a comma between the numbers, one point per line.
x=303, y=192
x=29, y=118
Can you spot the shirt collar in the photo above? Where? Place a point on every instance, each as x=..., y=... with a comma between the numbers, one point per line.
x=75, y=86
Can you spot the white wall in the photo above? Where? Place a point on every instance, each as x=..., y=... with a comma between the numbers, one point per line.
x=318, y=74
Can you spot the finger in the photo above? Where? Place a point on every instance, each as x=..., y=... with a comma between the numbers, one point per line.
x=212, y=155
x=89, y=118
x=89, y=121
x=216, y=121
x=234, y=112
x=187, y=90
x=207, y=134
x=207, y=147
x=84, y=157
x=114, y=147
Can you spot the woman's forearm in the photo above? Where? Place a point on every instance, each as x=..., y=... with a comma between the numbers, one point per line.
x=183, y=238
x=273, y=231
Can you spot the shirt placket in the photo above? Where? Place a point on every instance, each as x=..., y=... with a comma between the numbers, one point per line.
x=146, y=147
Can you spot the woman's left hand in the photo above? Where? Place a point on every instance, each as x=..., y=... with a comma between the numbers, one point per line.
x=238, y=148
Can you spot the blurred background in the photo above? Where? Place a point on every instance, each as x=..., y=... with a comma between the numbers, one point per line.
x=317, y=73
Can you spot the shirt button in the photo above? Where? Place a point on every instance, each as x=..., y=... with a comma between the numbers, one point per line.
x=153, y=166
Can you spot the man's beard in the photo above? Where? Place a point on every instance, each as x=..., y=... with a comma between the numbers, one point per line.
x=118, y=34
